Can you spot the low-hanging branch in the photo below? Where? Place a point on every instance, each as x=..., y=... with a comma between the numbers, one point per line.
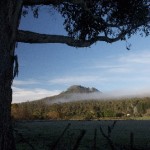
x=32, y=37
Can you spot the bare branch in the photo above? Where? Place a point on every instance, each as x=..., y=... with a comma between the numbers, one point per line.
x=111, y=40
x=32, y=37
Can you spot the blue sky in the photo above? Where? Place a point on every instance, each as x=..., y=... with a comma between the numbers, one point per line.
x=48, y=69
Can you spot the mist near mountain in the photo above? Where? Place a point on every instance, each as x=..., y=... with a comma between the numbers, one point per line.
x=74, y=93
x=81, y=93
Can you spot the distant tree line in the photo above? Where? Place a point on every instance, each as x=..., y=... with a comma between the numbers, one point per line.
x=83, y=110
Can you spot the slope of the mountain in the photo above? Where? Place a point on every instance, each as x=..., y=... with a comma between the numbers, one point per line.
x=73, y=93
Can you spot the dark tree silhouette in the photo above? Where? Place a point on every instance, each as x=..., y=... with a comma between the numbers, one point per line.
x=86, y=21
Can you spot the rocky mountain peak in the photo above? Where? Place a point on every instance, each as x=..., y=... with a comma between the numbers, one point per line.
x=80, y=89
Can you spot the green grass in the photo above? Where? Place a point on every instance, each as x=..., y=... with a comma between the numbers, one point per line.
x=42, y=134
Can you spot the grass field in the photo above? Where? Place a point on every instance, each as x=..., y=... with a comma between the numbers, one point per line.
x=45, y=135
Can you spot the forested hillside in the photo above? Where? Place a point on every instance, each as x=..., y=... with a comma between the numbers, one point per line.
x=83, y=110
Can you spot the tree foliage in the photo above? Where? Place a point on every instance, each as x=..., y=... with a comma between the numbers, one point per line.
x=83, y=110
x=89, y=21
x=105, y=17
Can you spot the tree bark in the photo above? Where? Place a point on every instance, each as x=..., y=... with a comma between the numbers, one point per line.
x=32, y=37
x=10, y=11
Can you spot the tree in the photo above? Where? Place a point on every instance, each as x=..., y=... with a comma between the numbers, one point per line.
x=86, y=21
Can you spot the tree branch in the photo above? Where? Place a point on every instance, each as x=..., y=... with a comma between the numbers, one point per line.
x=32, y=37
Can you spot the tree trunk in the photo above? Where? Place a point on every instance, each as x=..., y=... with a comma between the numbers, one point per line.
x=10, y=11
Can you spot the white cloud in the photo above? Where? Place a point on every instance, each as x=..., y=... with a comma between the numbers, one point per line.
x=130, y=92
x=97, y=66
x=24, y=82
x=76, y=80
x=142, y=57
x=132, y=62
x=118, y=67
x=21, y=95
x=120, y=70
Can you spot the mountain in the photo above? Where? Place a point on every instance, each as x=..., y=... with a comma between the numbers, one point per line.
x=73, y=93
x=79, y=89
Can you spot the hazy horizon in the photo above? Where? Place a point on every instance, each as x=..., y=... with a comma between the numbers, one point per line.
x=116, y=94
